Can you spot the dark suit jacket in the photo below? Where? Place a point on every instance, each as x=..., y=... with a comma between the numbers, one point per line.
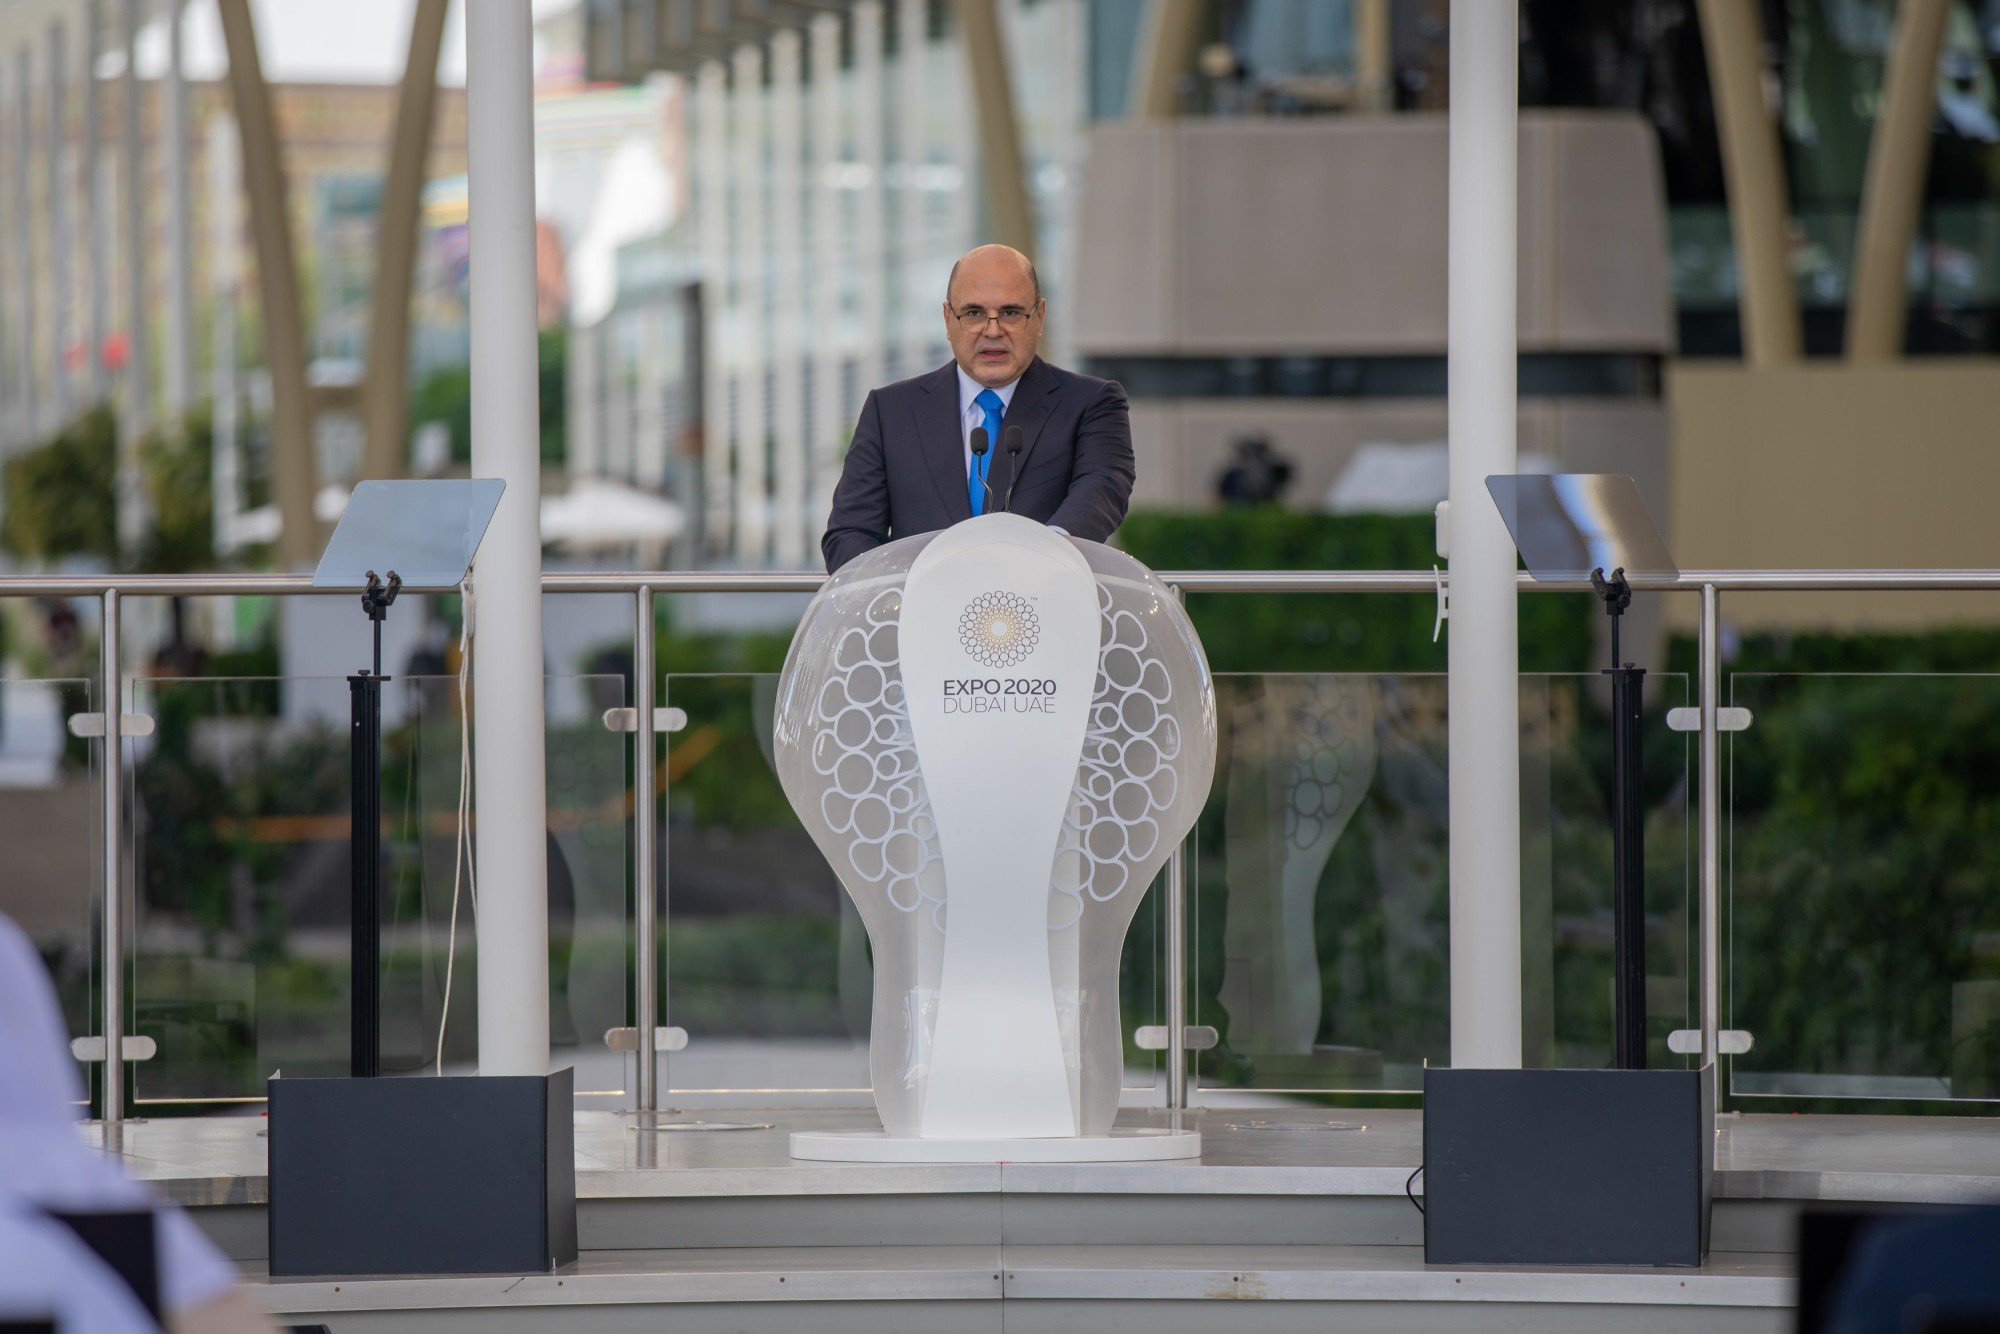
x=905, y=469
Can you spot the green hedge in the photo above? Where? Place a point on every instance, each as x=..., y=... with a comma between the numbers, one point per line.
x=1365, y=632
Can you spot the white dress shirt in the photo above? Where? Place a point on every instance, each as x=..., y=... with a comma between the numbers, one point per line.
x=970, y=414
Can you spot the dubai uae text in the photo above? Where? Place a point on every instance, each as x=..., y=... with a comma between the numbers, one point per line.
x=993, y=695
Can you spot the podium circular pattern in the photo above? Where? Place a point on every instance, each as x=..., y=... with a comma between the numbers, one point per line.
x=999, y=629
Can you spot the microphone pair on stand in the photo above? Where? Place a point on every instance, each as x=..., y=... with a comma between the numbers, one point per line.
x=1010, y=439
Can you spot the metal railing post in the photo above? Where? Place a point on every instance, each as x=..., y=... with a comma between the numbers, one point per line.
x=1177, y=968
x=1709, y=763
x=645, y=928
x=112, y=927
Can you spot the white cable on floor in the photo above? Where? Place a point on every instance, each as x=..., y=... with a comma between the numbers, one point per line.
x=461, y=867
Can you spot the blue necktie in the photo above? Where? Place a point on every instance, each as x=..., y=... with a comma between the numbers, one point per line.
x=975, y=481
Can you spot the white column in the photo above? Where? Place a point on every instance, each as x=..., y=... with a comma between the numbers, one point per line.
x=829, y=413
x=134, y=416
x=62, y=240
x=1056, y=211
x=712, y=185
x=26, y=271
x=618, y=397
x=97, y=218
x=753, y=537
x=137, y=417
x=584, y=458
x=871, y=245
x=225, y=233
x=649, y=450
x=1484, y=728
x=180, y=335
x=962, y=224
x=510, y=779
x=915, y=308
x=788, y=417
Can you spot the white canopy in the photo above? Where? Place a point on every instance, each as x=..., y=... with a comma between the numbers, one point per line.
x=595, y=514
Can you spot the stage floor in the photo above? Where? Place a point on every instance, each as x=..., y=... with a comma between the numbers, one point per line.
x=212, y=1161
x=1299, y=1209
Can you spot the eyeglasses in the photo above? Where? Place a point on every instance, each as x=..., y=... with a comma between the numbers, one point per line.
x=976, y=317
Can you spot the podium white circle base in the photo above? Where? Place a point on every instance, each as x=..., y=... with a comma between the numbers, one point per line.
x=1131, y=1145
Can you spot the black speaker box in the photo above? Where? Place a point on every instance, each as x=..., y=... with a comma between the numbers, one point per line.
x=1568, y=1167
x=460, y=1175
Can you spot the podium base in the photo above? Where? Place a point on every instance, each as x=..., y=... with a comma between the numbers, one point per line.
x=1134, y=1145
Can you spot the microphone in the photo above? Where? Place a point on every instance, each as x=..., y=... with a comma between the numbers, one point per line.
x=979, y=445
x=1011, y=438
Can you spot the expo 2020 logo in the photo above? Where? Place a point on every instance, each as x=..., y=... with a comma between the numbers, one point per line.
x=999, y=629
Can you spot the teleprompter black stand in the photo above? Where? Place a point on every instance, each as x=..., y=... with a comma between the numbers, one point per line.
x=423, y=1175
x=1628, y=834
x=1580, y=1167
x=364, y=693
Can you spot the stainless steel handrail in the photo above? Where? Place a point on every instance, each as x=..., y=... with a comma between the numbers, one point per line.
x=669, y=582
x=644, y=585
x=1708, y=764
x=111, y=922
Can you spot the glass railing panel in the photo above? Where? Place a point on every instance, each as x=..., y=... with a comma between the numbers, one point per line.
x=1862, y=858
x=241, y=942
x=767, y=962
x=590, y=884
x=1321, y=894
x=1567, y=902
x=766, y=959
x=51, y=824
x=588, y=777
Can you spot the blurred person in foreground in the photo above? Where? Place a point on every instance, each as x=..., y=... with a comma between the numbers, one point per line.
x=911, y=467
x=48, y=1275
x=45, y=1165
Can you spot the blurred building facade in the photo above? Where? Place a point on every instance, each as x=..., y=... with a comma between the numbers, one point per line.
x=331, y=138
x=1238, y=211
x=832, y=176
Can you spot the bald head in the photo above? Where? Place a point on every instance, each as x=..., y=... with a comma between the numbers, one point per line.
x=990, y=261
x=993, y=314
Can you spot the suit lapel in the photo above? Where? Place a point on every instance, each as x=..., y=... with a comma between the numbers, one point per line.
x=1033, y=402
x=941, y=441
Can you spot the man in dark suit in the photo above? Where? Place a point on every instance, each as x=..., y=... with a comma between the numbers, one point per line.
x=911, y=469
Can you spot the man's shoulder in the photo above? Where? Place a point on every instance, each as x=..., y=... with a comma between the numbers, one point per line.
x=930, y=382
x=1067, y=382
x=1044, y=376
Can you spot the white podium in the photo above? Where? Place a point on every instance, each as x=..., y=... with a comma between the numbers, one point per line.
x=996, y=734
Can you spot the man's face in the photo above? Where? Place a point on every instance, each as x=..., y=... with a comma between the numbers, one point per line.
x=993, y=320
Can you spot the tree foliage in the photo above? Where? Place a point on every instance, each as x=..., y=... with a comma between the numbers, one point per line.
x=1367, y=632
x=61, y=497
x=446, y=396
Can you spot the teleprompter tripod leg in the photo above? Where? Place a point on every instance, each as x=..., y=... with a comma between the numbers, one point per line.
x=365, y=848
x=1628, y=853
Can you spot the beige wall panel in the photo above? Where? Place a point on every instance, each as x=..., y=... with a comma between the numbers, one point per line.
x=1125, y=282
x=1628, y=435
x=1834, y=466
x=1609, y=287
x=1327, y=236
x=1312, y=236
x=1535, y=242
x=1157, y=453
